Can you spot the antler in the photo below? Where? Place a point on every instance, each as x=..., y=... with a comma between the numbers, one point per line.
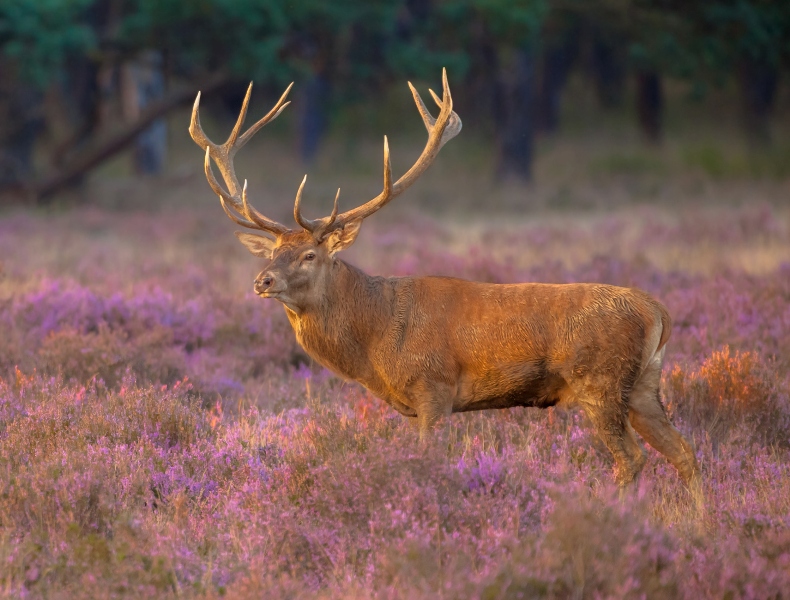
x=222, y=154
x=440, y=131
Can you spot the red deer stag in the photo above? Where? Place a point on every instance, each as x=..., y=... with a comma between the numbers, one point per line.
x=431, y=346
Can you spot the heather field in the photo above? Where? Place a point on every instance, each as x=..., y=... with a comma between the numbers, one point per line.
x=162, y=435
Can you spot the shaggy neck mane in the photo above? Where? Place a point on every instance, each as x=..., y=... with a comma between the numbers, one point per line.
x=327, y=333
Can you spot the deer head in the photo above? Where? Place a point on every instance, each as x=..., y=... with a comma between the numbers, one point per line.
x=301, y=260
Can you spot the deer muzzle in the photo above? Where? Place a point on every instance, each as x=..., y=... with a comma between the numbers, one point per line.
x=266, y=285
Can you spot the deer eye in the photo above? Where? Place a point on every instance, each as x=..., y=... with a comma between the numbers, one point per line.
x=309, y=256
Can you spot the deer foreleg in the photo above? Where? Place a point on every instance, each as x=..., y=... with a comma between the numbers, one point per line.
x=432, y=402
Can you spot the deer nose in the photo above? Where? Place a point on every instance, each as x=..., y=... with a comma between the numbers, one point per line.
x=263, y=283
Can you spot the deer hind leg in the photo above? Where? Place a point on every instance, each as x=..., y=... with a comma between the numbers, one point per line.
x=636, y=451
x=649, y=419
x=609, y=416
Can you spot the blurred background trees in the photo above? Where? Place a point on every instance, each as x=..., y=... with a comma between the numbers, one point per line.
x=81, y=80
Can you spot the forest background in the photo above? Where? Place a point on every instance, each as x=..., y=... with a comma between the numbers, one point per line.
x=82, y=79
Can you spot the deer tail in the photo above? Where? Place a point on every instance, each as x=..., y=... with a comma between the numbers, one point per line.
x=666, y=326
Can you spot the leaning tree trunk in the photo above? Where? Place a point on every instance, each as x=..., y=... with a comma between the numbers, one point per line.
x=759, y=82
x=517, y=128
x=105, y=145
x=650, y=105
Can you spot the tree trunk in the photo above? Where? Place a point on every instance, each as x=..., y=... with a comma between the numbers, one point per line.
x=74, y=109
x=313, y=116
x=87, y=92
x=21, y=120
x=650, y=105
x=608, y=71
x=483, y=84
x=143, y=85
x=759, y=83
x=315, y=97
x=558, y=59
x=517, y=130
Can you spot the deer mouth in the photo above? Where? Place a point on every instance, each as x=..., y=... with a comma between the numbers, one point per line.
x=269, y=292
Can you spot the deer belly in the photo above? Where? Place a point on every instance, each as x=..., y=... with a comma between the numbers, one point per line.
x=506, y=388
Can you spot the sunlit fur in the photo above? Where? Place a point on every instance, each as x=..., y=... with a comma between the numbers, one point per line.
x=431, y=346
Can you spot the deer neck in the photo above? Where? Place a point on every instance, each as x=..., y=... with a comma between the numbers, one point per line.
x=339, y=330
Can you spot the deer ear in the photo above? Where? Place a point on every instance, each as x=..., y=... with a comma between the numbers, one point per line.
x=340, y=239
x=257, y=244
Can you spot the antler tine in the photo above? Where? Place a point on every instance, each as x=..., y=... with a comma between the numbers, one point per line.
x=315, y=226
x=223, y=155
x=195, y=128
x=325, y=224
x=446, y=87
x=387, y=191
x=224, y=197
x=436, y=99
x=252, y=214
x=440, y=131
x=212, y=179
x=235, y=218
x=333, y=216
x=427, y=118
x=267, y=118
x=447, y=99
x=307, y=224
x=230, y=143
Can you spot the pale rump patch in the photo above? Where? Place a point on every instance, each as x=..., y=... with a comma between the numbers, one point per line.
x=652, y=340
